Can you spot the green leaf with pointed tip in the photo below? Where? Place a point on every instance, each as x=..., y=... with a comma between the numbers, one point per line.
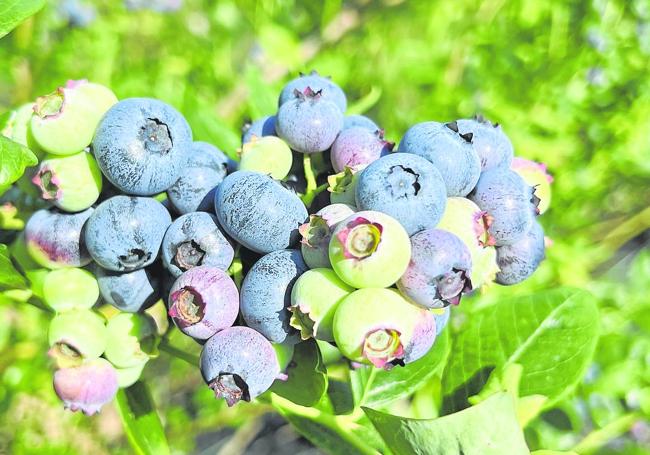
x=551, y=334
x=9, y=276
x=140, y=420
x=307, y=376
x=401, y=382
x=13, y=12
x=489, y=428
x=14, y=158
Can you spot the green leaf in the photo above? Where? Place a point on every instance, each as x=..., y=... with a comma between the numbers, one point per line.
x=485, y=429
x=401, y=382
x=9, y=276
x=307, y=376
x=365, y=103
x=14, y=158
x=262, y=100
x=140, y=420
x=13, y=12
x=551, y=334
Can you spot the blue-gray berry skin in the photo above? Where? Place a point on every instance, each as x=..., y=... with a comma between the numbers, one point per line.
x=124, y=233
x=508, y=199
x=195, y=239
x=130, y=292
x=329, y=89
x=493, y=147
x=361, y=121
x=450, y=152
x=238, y=364
x=141, y=145
x=264, y=126
x=266, y=294
x=405, y=186
x=259, y=212
x=439, y=270
x=519, y=260
x=309, y=123
x=194, y=190
x=55, y=239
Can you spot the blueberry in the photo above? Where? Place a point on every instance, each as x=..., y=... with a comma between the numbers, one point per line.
x=309, y=123
x=509, y=201
x=258, y=212
x=195, y=239
x=130, y=292
x=380, y=327
x=317, y=232
x=126, y=377
x=450, y=152
x=75, y=336
x=536, y=175
x=55, y=239
x=72, y=183
x=238, y=364
x=203, y=301
x=194, y=190
x=439, y=270
x=369, y=250
x=357, y=147
x=406, y=187
x=519, y=260
x=267, y=155
x=493, y=147
x=266, y=294
x=261, y=127
x=132, y=339
x=69, y=289
x=124, y=233
x=86, y=387
x=361, y=121
x=330, y=90
x=142, y=145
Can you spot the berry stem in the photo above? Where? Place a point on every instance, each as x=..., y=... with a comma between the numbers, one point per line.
x=313, y=189
x=308, y=198
x=178, y=353
x=235, y=269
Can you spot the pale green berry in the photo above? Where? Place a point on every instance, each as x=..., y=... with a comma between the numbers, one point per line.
x=68, y=289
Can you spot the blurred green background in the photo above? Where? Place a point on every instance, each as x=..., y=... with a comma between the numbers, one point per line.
x=568, y=80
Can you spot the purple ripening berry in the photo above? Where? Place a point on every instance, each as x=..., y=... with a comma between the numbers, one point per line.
x=86, y=387
x=357, y=147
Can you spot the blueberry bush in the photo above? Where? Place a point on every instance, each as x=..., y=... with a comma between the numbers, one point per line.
x=261, y=242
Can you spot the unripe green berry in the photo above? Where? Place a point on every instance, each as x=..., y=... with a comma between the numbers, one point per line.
x=76, y=336
x=126, y=377
x=268, y=155
x=132, y=339
x=68, y=289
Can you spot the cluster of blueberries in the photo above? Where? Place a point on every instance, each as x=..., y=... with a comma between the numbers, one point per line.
x=353, y=244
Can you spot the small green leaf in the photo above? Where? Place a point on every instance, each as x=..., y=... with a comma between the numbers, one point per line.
x=307, y=376
x=551, y=334
x=365, y=103
x=485, y=429
x=9, y=276
x=13, y=12
x=401, y=382
x=14, y=158
x=140, y=420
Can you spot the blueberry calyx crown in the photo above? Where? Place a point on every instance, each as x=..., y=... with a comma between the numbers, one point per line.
x=402, y=179
x=188, y=254
x=382, y=347
x=482, y=223
x=450, y=286
x=156, y=136
x=360, y=238
x=308, y=94
x=314, y=233
x=301, y=321
x=231, y=387
x=134, y=258
x=388, y=144
x=187, y=308
x=339, y=183
x=50, y=106
x=454, y=127
x=48, y=184
x=65, y=354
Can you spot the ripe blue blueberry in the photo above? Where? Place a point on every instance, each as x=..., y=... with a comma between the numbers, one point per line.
x=203, y=301
x=330, y=90
x=258, y=212
x=351, y=121
x=141, y=145
x=439, y=270
x=261, y=127
x=194, y=190
x=309, y=123
x=493, y=147
x=124, y=233
x=238, y=364
x=508, y=199
x=450, y=152
x=130, y=292
x=357, y=147
x=405, y=186
x=195, y=239
x=519, y=260
x=266, y=294
x=55, y=239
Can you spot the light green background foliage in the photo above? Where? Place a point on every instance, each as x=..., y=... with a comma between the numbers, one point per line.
x=568, y=80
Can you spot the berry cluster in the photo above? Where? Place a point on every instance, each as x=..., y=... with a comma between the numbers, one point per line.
x=371, y=265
